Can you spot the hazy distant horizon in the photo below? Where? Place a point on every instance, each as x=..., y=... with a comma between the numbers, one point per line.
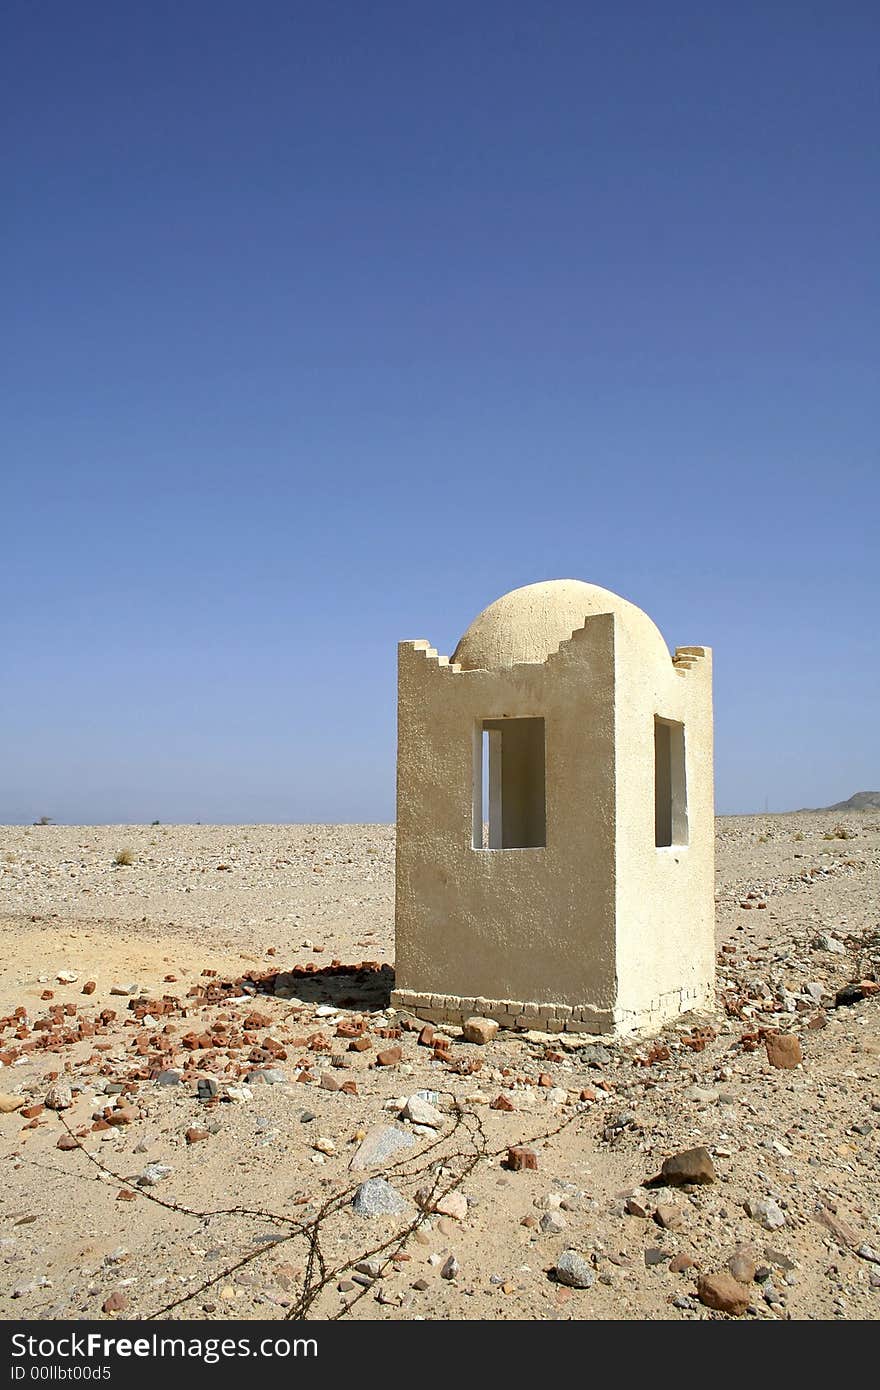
x=5, y=821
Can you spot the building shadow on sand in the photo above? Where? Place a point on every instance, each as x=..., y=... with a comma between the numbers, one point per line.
x=366, y=986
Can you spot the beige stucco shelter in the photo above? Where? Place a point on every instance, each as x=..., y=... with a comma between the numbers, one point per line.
x=555, y=820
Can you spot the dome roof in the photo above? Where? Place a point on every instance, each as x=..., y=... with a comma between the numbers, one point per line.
x=528, y=624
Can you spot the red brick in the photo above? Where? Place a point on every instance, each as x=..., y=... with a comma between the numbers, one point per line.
x=520, y=1157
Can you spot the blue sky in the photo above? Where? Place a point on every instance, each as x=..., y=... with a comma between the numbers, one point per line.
x=325, y=325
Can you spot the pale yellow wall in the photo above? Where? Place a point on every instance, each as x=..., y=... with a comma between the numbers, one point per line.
x=665, y=905
x=518, y=924
x=599, y=919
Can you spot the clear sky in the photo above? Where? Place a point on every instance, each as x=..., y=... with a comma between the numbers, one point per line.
x=327, y=324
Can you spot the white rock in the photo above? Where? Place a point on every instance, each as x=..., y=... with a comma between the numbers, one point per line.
x=454, y=1204
x=419, y=1112
x=67, y=977
x=236, y=1093
x=767, y=1212
x=826, y=942
x=59, y=1096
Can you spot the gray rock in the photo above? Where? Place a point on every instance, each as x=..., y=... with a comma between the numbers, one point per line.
x=572, y=1269
x=169, y=1078
x=266, y=1076
x=376, y=1197
x=767, y=1212
x=380, y=1146
x=451, y=1269
x=552, y=1223
x=656, y=1256
x=825, y=942
x=867, y=1252
x=153, y=1174
x=742, y=1267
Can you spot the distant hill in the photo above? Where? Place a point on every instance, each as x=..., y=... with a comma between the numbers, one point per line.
x=862, y=801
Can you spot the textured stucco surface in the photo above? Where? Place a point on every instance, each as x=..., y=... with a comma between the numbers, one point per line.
x=528, y=624
x=597, y=926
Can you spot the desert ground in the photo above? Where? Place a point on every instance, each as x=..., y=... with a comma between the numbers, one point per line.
x=200, y=1071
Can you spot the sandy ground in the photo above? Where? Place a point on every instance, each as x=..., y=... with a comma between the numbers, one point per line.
x=252, y=1216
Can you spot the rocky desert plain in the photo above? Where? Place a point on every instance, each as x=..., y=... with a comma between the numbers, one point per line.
x=210, y=1111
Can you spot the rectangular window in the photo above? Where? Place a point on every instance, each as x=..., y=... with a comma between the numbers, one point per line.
x=670, y=787
x=509, y=796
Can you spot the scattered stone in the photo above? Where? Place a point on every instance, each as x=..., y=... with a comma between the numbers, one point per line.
x=574, y=1271
x=89, y=987
x=479, y=1030
x=207, y=1088
x=634, y=1207
x=67, y=977
x=552, y=1222
x=122, y=1115
x=116, y=1303
x=389, y=1057
x=67, y=1143
x=238, y=1094
x=680, y=1264
x=826, y=942
x=655, y=1256
x=867, y=1252
x=850, y=994
x=777, y=1258
x=783, y=1050
x=420, y=1112
x=668, y=1216
x=767, y=1212
x=723, y=1293
x=153, y=1174
x=690, y=1166
x=169, y=1078
x=841, y=1231
x=742, y=1267
x=59, y=1096
x=196, y=1136
x=451, y=1268
x=379, y=1146
x=9, y=1104
x=520, y=1157
x=454, y=1204
x=502, y=1102
x=266, y=1076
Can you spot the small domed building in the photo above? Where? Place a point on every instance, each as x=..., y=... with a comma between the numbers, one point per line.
x=555, y=819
